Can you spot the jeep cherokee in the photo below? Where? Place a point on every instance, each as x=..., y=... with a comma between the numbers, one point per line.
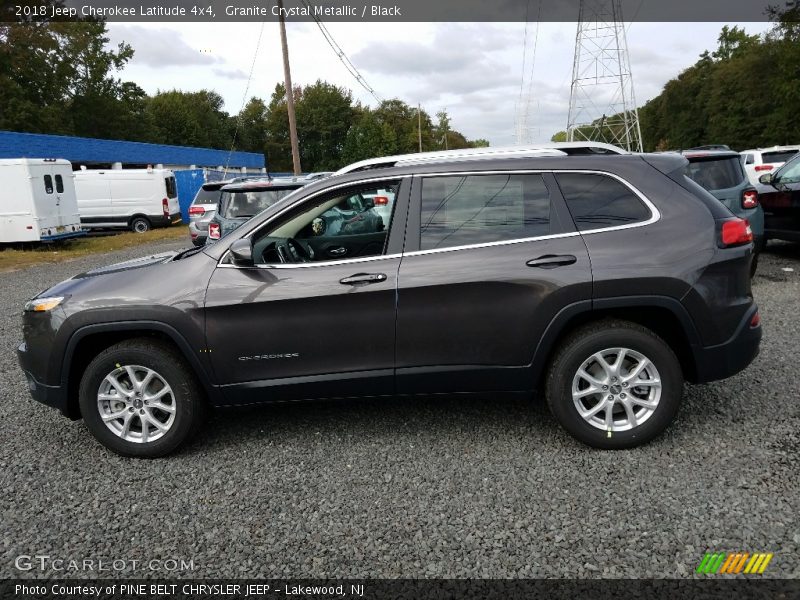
x=605, y=279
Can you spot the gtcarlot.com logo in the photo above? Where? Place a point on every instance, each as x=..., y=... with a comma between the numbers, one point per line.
x=733, y=563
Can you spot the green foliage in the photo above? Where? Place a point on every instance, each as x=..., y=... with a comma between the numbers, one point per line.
x=743, y=94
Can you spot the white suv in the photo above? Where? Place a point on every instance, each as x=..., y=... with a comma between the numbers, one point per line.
x=765, y=160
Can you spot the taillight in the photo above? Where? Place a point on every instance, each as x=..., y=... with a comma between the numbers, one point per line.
x=756, y=320
x=165, y=207
x=214, y=232
x=763, y=167
x=197, y=210
x=381, y=200
x=736, y=232
x=749, y=199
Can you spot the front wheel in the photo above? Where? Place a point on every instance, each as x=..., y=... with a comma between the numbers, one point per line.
x=139, y=398
x=614, y=384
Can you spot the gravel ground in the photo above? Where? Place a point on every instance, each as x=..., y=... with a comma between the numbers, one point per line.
x=415, y=488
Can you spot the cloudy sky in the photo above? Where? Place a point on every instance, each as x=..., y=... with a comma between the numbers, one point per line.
x=474, y=70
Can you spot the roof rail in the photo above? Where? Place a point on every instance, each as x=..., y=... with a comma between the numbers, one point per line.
x=534, y=150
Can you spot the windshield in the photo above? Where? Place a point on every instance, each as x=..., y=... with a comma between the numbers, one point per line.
x=248, y=203
x=716, y=173
x=776, y=157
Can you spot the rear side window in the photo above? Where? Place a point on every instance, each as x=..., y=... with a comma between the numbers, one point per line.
x=776, y=157
x=59, y=184
x=597, y=201
x=749, y=159
x=716, y=173
x=478, y=209
x=48, y=184
x=172, y=188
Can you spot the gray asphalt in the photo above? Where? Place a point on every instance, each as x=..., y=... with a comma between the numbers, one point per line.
x=445, y=487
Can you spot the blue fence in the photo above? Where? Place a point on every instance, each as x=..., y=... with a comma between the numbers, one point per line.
x=188, y=182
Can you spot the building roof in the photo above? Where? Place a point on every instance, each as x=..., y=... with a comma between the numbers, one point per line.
x=91, y=150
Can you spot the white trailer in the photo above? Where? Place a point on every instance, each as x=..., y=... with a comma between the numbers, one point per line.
x=37, y=200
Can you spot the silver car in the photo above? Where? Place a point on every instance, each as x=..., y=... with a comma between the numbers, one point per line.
x=203, y=208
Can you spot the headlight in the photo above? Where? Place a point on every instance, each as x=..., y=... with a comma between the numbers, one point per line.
x=43, y=304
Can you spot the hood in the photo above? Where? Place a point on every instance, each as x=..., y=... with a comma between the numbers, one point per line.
x=136, y=263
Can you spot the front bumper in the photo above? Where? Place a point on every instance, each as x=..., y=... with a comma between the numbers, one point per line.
x=724, y=360
x=51, y=395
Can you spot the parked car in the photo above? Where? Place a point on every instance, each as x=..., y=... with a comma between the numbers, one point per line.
x=135, y=199
x=761, y=160
x=782, y=203
x=721, y=173
x=605, y=280
x=203, y=208
x=242, y=200
x=37, y=201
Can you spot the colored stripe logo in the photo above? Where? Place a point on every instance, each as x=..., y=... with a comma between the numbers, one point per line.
x=734, y=563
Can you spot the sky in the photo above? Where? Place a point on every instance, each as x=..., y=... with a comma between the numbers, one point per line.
x=473, y=70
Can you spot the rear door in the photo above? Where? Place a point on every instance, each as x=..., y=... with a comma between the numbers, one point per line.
x=490, y=260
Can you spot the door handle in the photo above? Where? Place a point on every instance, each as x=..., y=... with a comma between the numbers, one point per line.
x=551, y=261
x=360, y=278
x=340, y=251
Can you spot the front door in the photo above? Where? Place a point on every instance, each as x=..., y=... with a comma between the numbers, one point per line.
x=782, y=205
x=305, y=322
x=495, y=260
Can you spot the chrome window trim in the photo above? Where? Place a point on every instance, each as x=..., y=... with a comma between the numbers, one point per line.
x=221, y=264
x=655, y=214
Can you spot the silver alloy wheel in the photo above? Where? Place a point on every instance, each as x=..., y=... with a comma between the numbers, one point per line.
x=621, y=384
x=136, y=403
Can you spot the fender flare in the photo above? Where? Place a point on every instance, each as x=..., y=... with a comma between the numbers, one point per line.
x=116, y=326
x=559, y=323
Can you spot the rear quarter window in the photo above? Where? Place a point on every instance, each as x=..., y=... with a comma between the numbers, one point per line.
x=596, y=201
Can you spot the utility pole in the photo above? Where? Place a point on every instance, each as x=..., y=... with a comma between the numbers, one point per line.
x=419, y=125
x=287, y=75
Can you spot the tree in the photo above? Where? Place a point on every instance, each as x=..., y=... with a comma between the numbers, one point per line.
x=368, y=138
x=190, y=119
x=324, y=115
x=251, y=126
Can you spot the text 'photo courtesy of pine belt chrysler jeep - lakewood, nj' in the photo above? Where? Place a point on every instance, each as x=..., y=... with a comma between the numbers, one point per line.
x=602, y=279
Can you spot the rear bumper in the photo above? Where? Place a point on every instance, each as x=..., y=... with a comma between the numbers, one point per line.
x=730, y=357
x=62, y=236
x=51, y=395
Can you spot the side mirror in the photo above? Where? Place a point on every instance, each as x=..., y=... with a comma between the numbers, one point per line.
x=767, y=178
x=242, y=252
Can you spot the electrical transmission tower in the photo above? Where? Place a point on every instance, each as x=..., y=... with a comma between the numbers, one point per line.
x=602, y=105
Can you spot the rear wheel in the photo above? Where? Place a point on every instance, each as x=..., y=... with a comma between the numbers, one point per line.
x=614, y=384
x=139, y=398
x=141, y=225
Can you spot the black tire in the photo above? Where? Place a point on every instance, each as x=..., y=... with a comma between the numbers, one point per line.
x=140, y=225
x=580, y=346
x=160, y=357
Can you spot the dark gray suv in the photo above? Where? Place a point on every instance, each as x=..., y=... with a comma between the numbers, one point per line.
x=605, y=280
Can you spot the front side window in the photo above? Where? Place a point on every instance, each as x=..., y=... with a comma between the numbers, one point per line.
x=59, y=184
x=790, y=173
x=340, y=225
x=597, y=201
x=478, y=209
x=48, y=184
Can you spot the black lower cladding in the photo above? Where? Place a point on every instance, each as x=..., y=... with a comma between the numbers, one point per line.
x=51, y=395
x=724, y=360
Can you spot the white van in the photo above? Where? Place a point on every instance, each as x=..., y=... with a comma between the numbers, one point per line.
x=139, y=199
x=37, y=200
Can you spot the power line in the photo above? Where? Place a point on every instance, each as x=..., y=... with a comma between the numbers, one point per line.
x=341, y=54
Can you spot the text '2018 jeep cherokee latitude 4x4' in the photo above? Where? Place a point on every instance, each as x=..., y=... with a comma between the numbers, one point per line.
x=604, y=279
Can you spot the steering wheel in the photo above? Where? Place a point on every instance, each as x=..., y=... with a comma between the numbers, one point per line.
x=292, y=251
